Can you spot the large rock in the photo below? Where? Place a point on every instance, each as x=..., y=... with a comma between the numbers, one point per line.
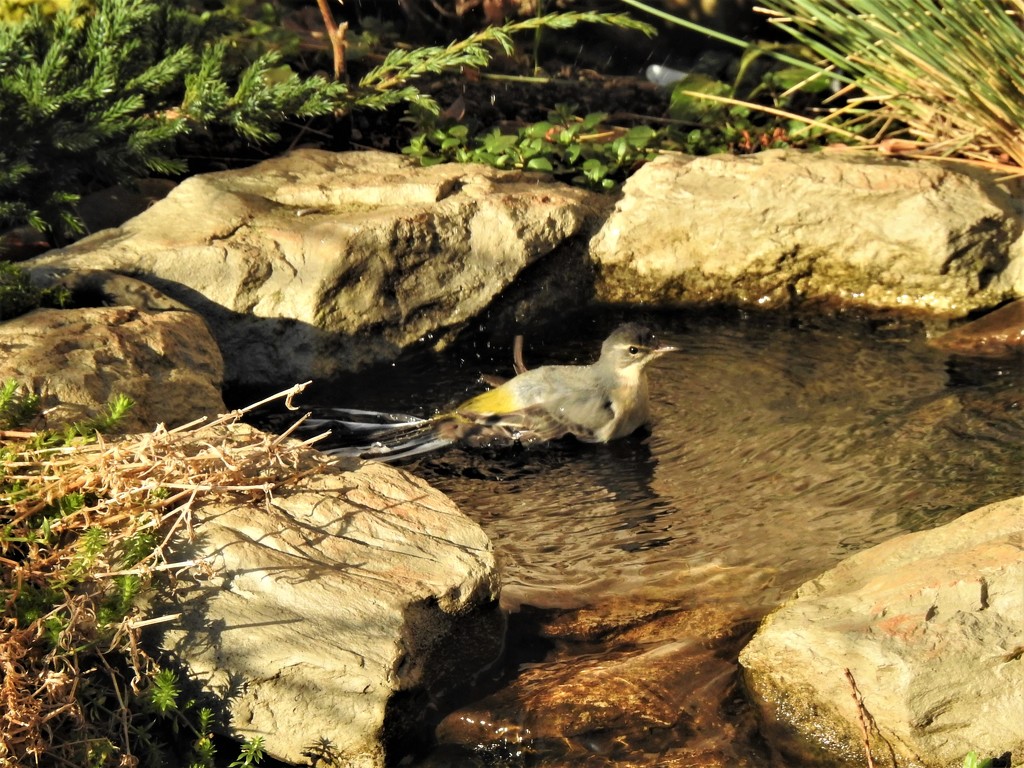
x=78, y=359
x=335, y=614
x=782, y=227
x=929, y=626
x=315, y=262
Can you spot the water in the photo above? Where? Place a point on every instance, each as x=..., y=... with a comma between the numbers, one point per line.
x=778, y=447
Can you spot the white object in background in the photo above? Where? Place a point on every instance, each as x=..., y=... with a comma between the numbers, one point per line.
x=660, y=75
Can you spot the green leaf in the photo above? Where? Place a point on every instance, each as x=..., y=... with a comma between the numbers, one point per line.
x=687, y=102
x=164, y=691
x=591, y=121
x=640, y=136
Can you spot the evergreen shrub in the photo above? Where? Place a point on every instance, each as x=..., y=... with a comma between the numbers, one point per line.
x=98, y=93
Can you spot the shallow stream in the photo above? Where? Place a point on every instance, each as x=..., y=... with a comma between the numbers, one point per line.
x=778, y=447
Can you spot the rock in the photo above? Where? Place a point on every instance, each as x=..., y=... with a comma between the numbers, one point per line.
x=929, y=626
x=996, y=334
x=782, y=227
x=337, y=611
x=661, y=693
x=314, y=263
x=78, y=359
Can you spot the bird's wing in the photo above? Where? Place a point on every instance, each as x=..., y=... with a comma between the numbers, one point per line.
x=542, y=404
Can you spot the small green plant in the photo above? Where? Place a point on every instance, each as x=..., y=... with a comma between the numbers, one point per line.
x=581, y=150
x=18, y=406
x=973, y=761
x=84, y=530
x=18, y=295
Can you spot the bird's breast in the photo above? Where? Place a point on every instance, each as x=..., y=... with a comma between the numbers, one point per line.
x=630, y=408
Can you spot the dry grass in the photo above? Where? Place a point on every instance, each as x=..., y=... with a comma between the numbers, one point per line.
x=83, y=529
x=932, y=79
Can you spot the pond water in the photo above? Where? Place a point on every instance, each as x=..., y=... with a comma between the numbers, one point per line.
x=778, y=447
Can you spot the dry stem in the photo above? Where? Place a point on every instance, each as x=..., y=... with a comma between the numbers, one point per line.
x=55, y=588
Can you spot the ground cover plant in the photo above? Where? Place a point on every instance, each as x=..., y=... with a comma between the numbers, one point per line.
x=106, y=91
x=88, y=526
x=18, y=295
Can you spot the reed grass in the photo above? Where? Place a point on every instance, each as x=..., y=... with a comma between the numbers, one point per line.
x=948, y=76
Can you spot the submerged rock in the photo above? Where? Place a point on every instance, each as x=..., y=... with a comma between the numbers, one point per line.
x=929, y=627
x=783, y=227
x=334, y=616
x=648, y=687
x=996, y=334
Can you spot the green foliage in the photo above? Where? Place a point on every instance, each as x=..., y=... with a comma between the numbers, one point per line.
x=103, y=94
x=18, y=406
x=948, y=71
x=971, y=760
x=581, y=150
x=755, y=110
x=937, y=72
x=100, y=96
x=13, y=11
x=17, y=295
x=392, y=81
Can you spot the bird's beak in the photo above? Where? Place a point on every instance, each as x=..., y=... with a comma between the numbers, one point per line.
x=661, y=349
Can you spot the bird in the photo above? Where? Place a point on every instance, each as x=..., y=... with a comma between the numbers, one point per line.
x=596, y=403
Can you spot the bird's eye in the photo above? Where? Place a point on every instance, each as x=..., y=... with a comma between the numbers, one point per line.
x=634, y=350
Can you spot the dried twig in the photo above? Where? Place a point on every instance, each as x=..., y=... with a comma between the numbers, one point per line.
x=131, y=486
x=336, y=34
x=867, y=722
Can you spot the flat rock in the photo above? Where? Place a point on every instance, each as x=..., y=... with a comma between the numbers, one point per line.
x=783, y=227
x=78, y=359
x=333, y=614
x=928, y=625
x=316, y=262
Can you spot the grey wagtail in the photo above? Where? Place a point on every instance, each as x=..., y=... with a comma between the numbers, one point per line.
x=595, y=403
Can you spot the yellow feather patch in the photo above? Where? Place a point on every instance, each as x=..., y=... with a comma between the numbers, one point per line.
x=498, y=400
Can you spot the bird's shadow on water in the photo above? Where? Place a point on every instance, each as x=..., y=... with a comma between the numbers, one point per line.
x=622, y=469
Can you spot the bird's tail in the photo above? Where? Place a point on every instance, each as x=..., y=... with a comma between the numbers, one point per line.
x=383, y=436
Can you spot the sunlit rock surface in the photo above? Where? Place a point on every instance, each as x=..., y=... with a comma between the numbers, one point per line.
x=160, y=355
x=317, y=262
x=333, y=615
x=784, y=227
x=928, y=625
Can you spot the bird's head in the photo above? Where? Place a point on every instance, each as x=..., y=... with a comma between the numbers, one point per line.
x=632, y=345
